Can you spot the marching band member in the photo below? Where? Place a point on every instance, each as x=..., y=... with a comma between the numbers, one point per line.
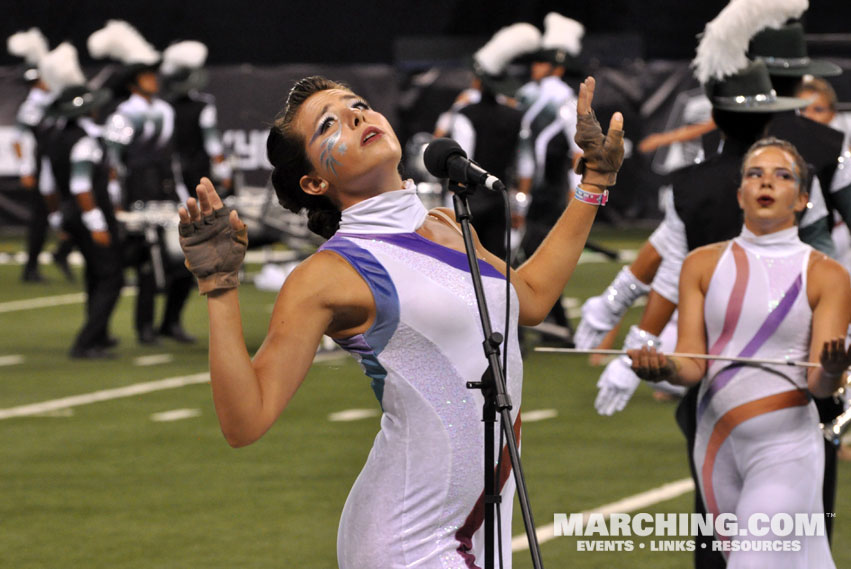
x=758, y=449
x=81, y=173
x=196, y=134
x=140, y=135
x=35, y=175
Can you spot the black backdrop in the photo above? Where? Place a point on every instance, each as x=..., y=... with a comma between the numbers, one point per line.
x=322, y=31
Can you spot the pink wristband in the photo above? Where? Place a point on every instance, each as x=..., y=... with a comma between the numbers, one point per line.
x=590, y=198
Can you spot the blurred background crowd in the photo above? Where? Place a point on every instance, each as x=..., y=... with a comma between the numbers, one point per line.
x=109, y=113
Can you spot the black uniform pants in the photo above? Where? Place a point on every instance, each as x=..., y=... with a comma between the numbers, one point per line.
x=104, y=278
x=36, y=229
x=140, y=255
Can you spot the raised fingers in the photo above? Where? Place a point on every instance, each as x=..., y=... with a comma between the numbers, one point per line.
x=183, y=214
x=616, y=123
x=234, y=220
x=586, y=96
x=833, y=349
x=193, y=212
x=210, y=199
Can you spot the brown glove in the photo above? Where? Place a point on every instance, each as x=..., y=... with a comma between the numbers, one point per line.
x=602, y=154
x=214, y=250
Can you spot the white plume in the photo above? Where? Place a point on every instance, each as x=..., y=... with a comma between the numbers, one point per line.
x=723, y=47
x=184, y=55
x=61, y=68
x=121, y=41
x=31, y=45
x=506, y=44
x=562, y=33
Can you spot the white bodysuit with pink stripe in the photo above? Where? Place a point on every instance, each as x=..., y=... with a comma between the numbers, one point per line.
x=418, y=500
x=758, y=448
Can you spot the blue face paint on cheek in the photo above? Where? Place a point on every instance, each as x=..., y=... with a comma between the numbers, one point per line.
x=327, y=156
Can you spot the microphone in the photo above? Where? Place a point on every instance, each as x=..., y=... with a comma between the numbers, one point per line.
x=444, y=158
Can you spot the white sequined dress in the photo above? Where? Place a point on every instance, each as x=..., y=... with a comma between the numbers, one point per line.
x=418, y=500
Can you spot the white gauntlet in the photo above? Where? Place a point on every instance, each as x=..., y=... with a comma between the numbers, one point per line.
x=221, y=170
x=94, y=220
x=54, y=219
x=618, y=382
x=602, y=313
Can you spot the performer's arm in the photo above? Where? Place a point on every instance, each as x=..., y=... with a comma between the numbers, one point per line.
x=84, y=155
x=691, y=332
x=691, y=324
x=249, y=394
x=829, y=294
x=540, y=281
x=464, y=134
x=682, y=134
x=323, y=295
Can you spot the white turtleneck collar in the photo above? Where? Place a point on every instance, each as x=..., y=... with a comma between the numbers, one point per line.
x=399, y=211
x=778, y=243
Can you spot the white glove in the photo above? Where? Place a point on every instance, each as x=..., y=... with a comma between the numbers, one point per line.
x=616, y=386
x=602, y=313
x=618, y=382
x=54, y=220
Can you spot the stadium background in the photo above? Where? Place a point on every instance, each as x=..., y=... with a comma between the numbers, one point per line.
x=408, y=58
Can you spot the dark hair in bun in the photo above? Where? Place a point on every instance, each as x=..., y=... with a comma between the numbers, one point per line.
x=285, y=149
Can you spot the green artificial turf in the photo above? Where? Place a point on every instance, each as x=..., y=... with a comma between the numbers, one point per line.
x=102, y=485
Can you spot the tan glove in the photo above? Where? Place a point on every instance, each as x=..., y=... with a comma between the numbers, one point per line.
x=214, y=250
x=602, y=154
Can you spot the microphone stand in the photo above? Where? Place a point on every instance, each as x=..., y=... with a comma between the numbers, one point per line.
x=496, y=398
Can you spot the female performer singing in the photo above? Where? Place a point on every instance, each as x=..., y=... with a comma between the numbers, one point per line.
x=391, y=286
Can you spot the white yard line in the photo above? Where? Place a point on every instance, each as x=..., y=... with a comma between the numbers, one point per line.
x=128, y=391
x=59, y=413
x=103, y=395
x=153, y=359
x=42, y=302
x=11, y=359
x=629, y=504
x=175, y=415
x=353, y=415
x=538, y=415
x=56, y=300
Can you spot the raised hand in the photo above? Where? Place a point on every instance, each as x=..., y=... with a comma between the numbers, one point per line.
x=213, y=239
x=602, y=153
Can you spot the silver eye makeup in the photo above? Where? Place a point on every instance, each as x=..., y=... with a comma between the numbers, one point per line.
x=328, y=120
x=779, y=173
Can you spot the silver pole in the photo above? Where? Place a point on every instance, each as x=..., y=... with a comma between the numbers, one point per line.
x=681, y=355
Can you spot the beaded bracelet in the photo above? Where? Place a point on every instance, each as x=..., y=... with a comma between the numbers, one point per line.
x=591, y=198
